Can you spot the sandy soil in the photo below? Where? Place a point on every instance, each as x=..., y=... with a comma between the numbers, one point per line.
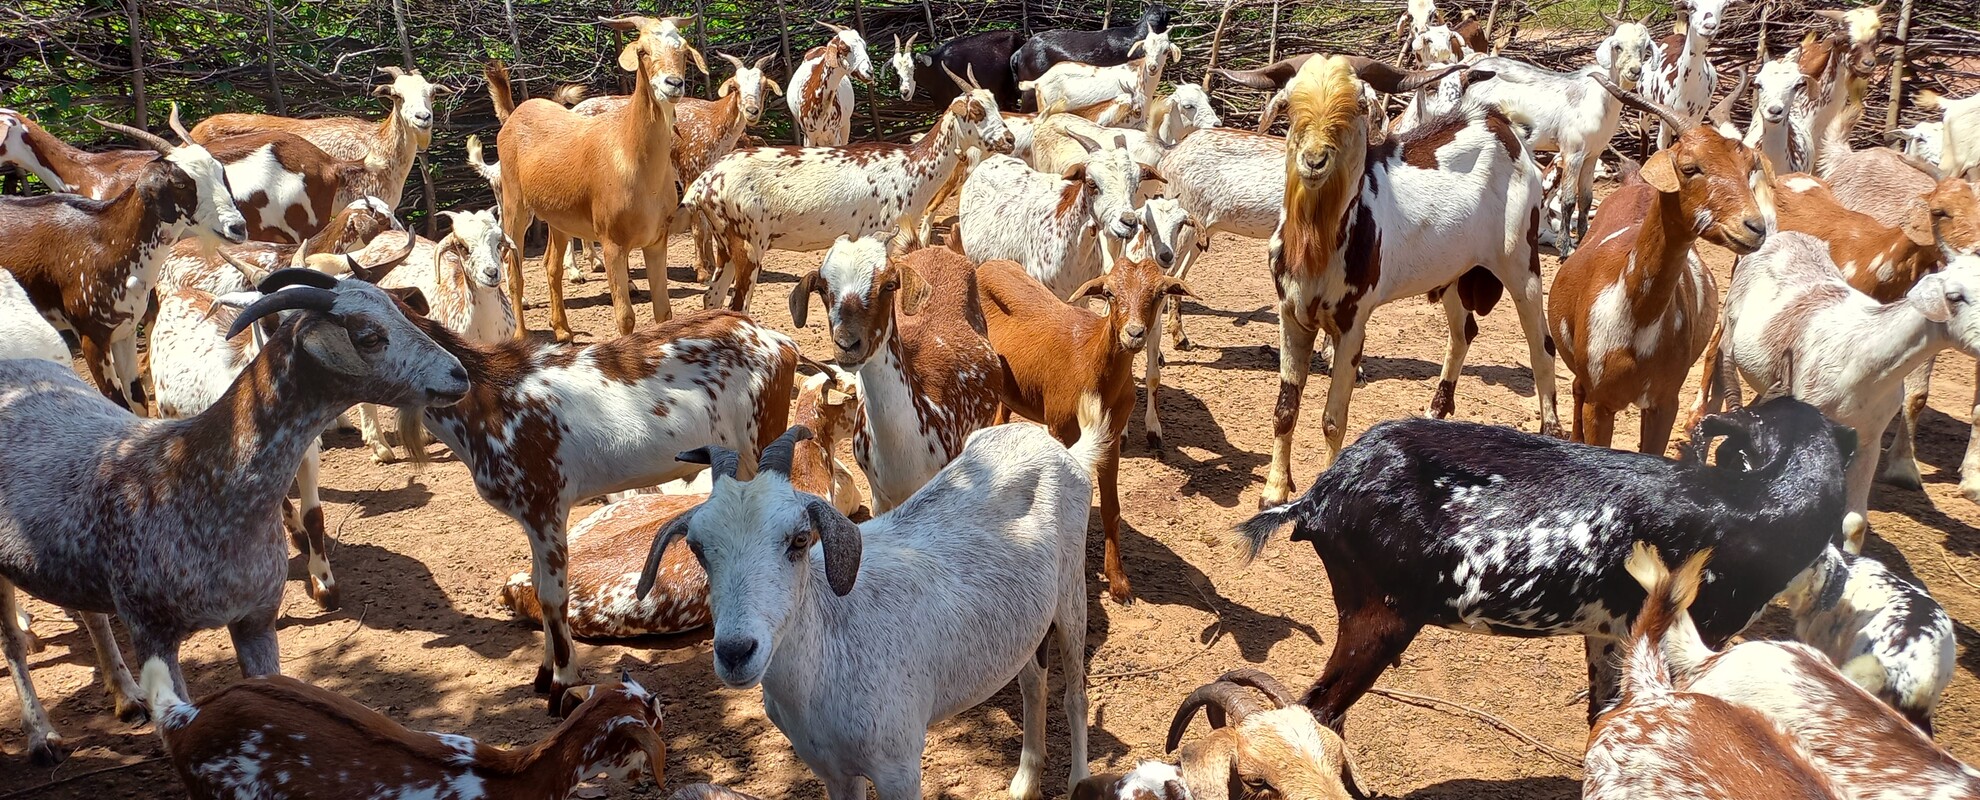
x=420, y=558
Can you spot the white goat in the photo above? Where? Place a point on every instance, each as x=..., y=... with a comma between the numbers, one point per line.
x=1170, y=120
x=1011, y=211
x=1790, y=318
x=1776, y=88
x=1959, y=149
x=820, y=94
x=1925, y=140
x=1116, y=95
x=862, y=643
x=1167, y=232
x=805, y=199
x=1884, y=632
x=462, y=277
x=1231, y=181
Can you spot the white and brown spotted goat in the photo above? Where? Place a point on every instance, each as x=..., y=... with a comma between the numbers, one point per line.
x=547, y=425
x=821, y=89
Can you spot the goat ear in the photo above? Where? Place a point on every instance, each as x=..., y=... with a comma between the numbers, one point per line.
x=1139, y=44
x=1149, y=173
x=696, y=55
x=1209, y=767
x=330, y=345
x=842, y=544
x=1171, y=286
x=382, y=90
x=1918, y=223
x=1929, y=297
x=1095, y=287
x=576, y=695
x=1846, y=441
x=1075, y=173
x=1660, y=172
x=413, y=298
x=801, y=296
x=629, y=57
x=914, y=291
x=727, y=87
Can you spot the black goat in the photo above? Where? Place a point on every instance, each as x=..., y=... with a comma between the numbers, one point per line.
x=1102, y=48
x=1491, y=530
x=987, y=53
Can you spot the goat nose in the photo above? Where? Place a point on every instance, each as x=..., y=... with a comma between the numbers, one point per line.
x=457, y=374
x=236, y=231
x=846, y=343
x=733, y=653
x=675, y=81
x=1316, y=162
x=423, y=116
x=1135, y=331
x=1757, y=227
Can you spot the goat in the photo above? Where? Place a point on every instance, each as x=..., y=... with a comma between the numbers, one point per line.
x=1110, y=95
x=1273, y=751
x=821, y=88
x=1883, y=631
x=280, y=737
x=1790, y=316
x=1491, y=530
x=197, y=264
x=1057, y=357
x=803, y=199
x=1167, y=234
x=552, y=171
x=1777, y=87
x=286, y=188
x=1661, y=741
x=387, y=147
x=23, y=333
x=1682, y=78
x=1959, y=149
x=1879, y=260
x=1862, y=746
x=1230, y=181
x=604, y=560
x=195, y=358
x=1170, y=120
x=1837, y=70
x=987, y=54
x=1568, y=112
x=1438, y=44
x=89, y=265
x=92, y=499
x=1925, y=140
x=1063, y=228
x=1632, y=312
x=1365, y=224
x=913, y=329
x=943, y=601
x=547, y=425
x=1102, y=48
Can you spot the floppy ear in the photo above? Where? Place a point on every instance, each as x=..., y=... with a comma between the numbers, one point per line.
x=1660, y=173
x=727, y=87
x=1175, y=287
x=382, y=90
x=1075, y=173
x=1149, y=173
x=1092, y=288
x=841, y=540
x=914, y=291
x=1929, y=297
x=801, y=296
x=330, y=345
x=629, y=57
x=413, y=298
x=576, y=695
x=1139, y=44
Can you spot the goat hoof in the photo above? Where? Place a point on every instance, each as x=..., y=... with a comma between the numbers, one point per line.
x=48, y=753
x=564, y=337
x=1155, y=441
x=1970, y=488
x=1552, y=429
x=34, y=643
x=1902, y=474
x=328, y=598
x=1183, y=343
x=1120, y=593
x=384, y=455
x=133, y=712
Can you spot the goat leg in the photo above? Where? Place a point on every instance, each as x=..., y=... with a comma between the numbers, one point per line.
x=1372, y=636
x=1969, y=467
x=656, y=280
x=553, y=272
x=1901, y=461
x=45, y=748
x=110, y=669
x=1295, y=362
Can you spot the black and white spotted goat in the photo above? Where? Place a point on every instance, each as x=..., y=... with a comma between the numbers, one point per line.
x=1486, y=529
x=1884, y=632
x=174, y=525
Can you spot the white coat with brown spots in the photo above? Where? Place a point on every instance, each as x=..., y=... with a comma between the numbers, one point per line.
x=1063, y=228
x=820, y=95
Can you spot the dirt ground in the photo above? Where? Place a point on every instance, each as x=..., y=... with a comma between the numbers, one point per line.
x=420, y=558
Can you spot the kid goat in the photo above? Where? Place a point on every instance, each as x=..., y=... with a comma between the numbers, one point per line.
x=1486, y=529
x=93, y=501
x=821, y=90
x=89, y=265
x=547, y=425
x=1368, y=223
x=863, y=642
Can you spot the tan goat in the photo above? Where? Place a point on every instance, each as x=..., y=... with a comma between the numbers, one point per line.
x=608, y=178
x=1633, y=308
x=1057, y=356
x=387, y=147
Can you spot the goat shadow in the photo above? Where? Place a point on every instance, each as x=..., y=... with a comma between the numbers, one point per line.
x=1547, y=788
x=410, y=599
x=1189, y=425
x=1162, y=577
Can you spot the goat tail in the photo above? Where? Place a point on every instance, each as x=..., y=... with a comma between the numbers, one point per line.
x=1254, y=532
x=1665, y=611
x=569, y=94
x=1096, y=436
x=497, y=74
x=171, y=711
x=412, y=434
x=489, y=171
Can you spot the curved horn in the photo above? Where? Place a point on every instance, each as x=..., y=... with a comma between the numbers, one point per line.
x=777, y=457
x=378, y=271
x=308, y=298
x=1224, y=700
x=761, y=61
x=910, y=40
x=294, y=276
x=1389, y=80
x=834, y=28
x=392, y=71
x=731, y=59
x=1634, y=100
x=1091, y=145
x=953, y=77
x=147, y=138
x=969, y=71
x=1722, y=111
x=674, y=529
x=1263, y=682
x=254, y=273
x=1271, y=76
x=177, y=126
x=720, y=460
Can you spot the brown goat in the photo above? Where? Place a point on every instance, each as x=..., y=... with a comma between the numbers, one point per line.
x=1059, y=356
x=1633, y=308
x=1877, y=259
x=608, y=178
x=280, y=737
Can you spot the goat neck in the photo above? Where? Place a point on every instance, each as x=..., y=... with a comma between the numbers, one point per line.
x=936, y=154
x=646, y=124
x=67, y=168
x=252, y=438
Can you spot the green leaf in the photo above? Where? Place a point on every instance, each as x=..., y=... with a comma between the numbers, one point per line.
x=60, y=95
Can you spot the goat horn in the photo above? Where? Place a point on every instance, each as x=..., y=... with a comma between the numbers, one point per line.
x=1722, y=112
x=720, y=460
x=731, y=59
x=832, y=27
x=674, y=529
x=1634, y=100
x=969, y=71
x=1223, y=698
x=777, y=457
x=309, y=298
x=1271, y=76
x=954, y=78
x=145, y=137
x=255, y=274
x=177, y=126
x=377, y=272
x=1262, y=681
x=1389, y=80
x=295, y=276
x=761, y=61
x=392, y=71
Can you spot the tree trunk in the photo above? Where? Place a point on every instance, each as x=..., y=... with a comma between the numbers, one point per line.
x=134, y=19
x=934, y=38
x=872, y=90
x=274, y=74
x=784, y=37
x=1217, y=40
x=1897, y=67
x=1272, y=46
x=425, y=172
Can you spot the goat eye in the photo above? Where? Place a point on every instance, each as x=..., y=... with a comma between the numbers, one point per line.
x=1693, y=171
x=369, y=340
x=1955, y=297
x=799, y=545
